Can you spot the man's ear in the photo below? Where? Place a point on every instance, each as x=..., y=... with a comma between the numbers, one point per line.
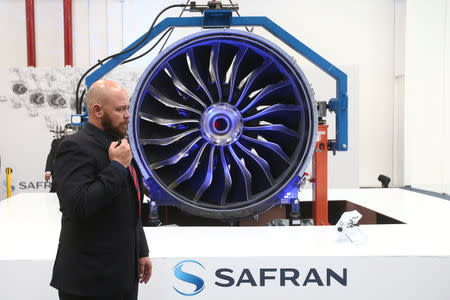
x=97, y=109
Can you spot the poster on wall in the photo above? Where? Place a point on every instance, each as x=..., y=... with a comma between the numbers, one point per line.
x=36, y=105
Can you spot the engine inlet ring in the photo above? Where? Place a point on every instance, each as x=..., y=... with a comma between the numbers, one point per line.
x=221, y=122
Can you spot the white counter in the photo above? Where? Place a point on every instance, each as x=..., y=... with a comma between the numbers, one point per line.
x=30, y=224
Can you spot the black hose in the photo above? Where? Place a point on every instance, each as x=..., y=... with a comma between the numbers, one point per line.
x=79, y=101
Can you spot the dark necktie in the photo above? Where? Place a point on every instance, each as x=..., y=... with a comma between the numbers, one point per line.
x=136, y=185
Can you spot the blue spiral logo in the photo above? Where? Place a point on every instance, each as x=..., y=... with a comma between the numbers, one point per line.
x=12, y=186
x=198, y=282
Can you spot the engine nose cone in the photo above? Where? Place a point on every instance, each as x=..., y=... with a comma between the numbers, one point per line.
x=221, y=124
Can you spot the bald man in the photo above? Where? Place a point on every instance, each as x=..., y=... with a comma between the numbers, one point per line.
x=102, y=252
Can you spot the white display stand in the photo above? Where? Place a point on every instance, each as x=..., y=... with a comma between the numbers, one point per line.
x=402, y=261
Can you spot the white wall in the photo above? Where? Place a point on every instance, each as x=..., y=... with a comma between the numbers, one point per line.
x=49, y=18
x=13, y=52
x=427, y=95
x=362, y=36
x=446, y=108
x=398, y=146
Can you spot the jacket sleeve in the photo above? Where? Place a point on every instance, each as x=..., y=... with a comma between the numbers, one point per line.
x=84, y=191
x=143, y=246
x=51, y=155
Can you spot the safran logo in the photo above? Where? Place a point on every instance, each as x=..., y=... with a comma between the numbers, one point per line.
x=188, y=283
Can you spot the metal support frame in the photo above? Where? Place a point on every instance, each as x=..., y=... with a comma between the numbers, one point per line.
x=320, y=178
x=339, y=104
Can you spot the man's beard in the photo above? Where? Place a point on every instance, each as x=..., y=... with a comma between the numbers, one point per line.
x=116, y=131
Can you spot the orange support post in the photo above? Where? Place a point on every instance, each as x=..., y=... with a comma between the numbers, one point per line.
x=320, y=178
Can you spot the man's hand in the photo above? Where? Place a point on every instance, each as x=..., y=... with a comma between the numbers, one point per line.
x=47, y=176
x=121, y=153
x=145, y=269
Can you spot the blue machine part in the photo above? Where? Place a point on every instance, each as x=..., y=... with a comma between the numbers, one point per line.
x=339, y=104
x=222, y=122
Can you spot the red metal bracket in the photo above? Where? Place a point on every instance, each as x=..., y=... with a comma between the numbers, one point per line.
x=320, y=178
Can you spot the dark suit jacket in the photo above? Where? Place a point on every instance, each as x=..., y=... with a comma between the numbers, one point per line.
x=101, y=234
x=51, y=155
x=51, y=159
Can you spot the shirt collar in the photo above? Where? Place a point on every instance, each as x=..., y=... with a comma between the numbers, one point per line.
x=104, y=137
